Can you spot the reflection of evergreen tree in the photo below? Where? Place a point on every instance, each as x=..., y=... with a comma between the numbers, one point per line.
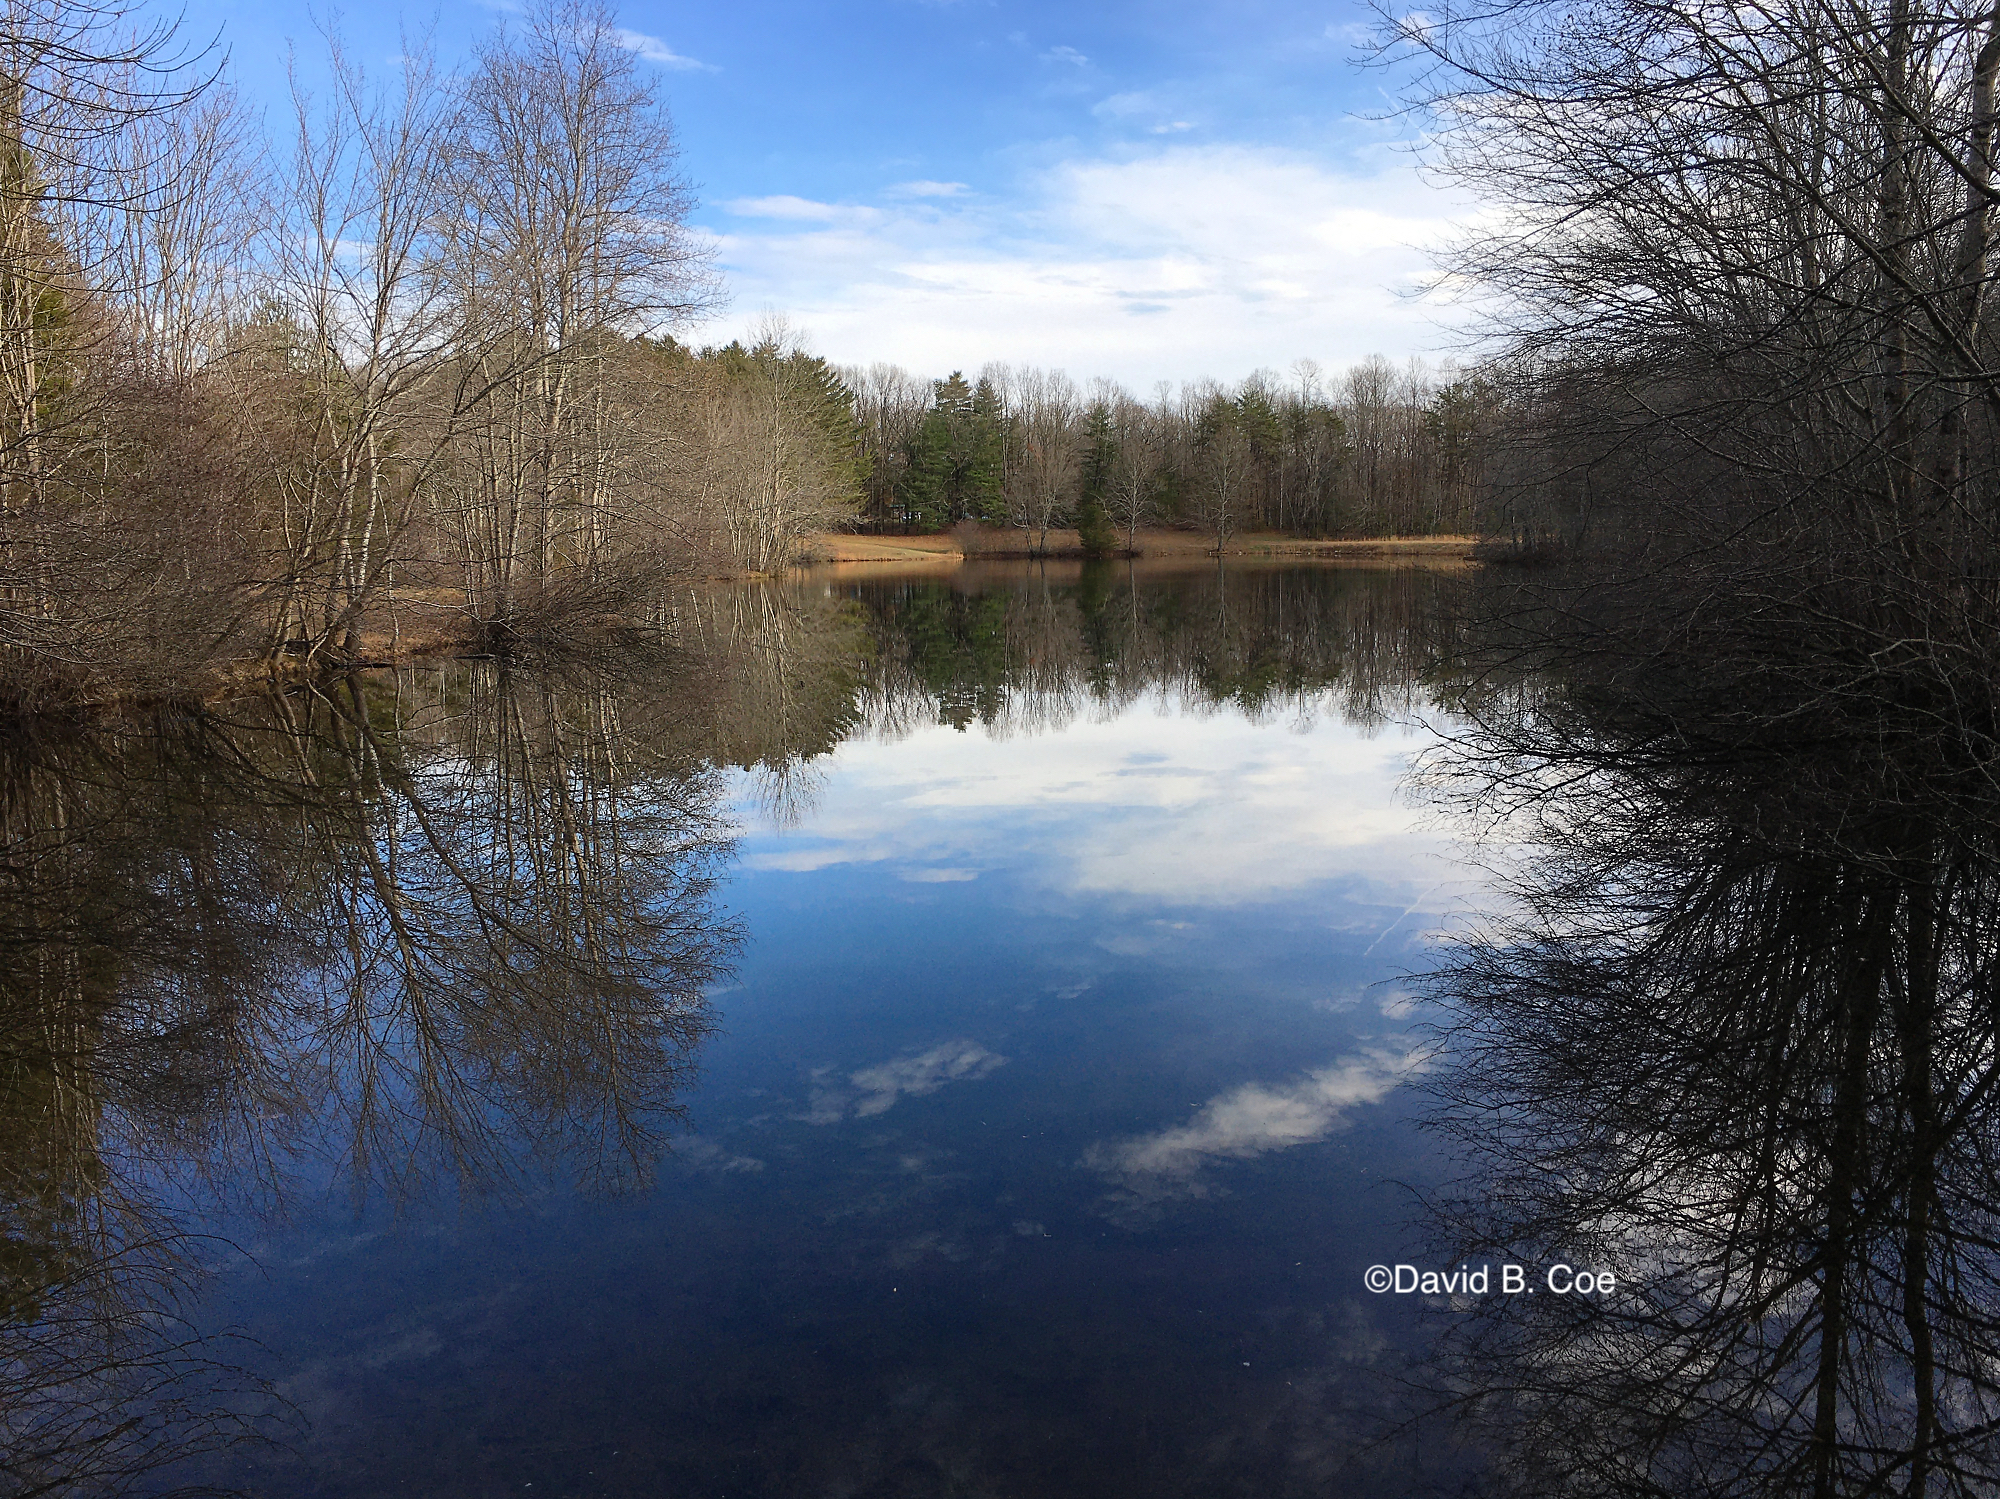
x=1100, y=624
x=957, y=647
x=1264, y=640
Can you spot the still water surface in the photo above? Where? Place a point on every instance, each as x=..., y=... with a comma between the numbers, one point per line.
x=1034, y=951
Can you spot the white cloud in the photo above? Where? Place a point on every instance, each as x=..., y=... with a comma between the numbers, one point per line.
x=1250, y=1121
x=789, y=206
x=656, y=51
x=1157, y=115
x=1176, y=262
x=923, y=188
x=1125, y=106
x=1067, y=55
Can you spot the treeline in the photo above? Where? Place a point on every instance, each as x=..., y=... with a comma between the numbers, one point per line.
x=1376, y=451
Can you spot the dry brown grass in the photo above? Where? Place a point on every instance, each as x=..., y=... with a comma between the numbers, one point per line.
x=954, y=548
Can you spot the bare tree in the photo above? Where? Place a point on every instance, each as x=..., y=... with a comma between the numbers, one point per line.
x=357, y=273
x=568, y=234
x=780, y=446
x=1045, y=410
x=1221, y=462
x=1752, y=247
x=1135, y=471
x=180, y=233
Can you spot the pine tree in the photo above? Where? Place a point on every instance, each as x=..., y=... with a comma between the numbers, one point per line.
x=986, y=471
x=955, y=460
x=1100, y=458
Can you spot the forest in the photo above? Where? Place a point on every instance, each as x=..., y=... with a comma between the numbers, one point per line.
x=1375, y=451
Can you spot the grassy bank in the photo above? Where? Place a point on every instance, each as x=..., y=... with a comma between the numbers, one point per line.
x=951, y=549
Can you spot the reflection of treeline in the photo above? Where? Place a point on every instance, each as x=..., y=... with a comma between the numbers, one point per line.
x=1039, y=648
x=1734, y=1039
x=457, y=926
x=794, y=668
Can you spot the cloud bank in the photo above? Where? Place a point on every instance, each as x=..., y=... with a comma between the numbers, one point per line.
x=1187, y=259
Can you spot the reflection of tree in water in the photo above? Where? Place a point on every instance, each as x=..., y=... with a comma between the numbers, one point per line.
x=456, y=926
x=522, y=926
x=1738, y=1039
x=795, y=668
x=782, y=666
x=457, y=923
x=118, y=996
x=1029, y=649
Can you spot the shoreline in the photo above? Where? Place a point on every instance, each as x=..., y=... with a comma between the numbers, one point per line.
x=386, y=648
x=944, y=550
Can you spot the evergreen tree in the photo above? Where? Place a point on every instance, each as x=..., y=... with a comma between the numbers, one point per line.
x=955, y=459
x=923, y=493
x=1100, y=459
x=986, y=471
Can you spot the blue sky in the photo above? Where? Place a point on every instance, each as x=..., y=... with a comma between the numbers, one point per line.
x=1146, y=191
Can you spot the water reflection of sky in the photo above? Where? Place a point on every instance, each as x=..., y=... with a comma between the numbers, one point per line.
x=1051, y=1127
x=1158, y=804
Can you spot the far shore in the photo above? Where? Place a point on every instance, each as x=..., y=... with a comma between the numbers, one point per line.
x=946, y=551
x=410, y=626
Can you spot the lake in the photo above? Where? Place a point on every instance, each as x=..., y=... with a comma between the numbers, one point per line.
x=992, y=1032
x=917, y=1035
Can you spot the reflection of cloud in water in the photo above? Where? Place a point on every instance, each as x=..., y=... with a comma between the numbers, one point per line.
x=806, y=860
x=882, y=1084
x=1248, y=1121
x=705, y=1155
x=1158, y=802
x=954, y=1062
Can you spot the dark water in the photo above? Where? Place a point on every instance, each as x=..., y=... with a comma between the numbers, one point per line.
x=916, y=1037
x=910, y=1038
